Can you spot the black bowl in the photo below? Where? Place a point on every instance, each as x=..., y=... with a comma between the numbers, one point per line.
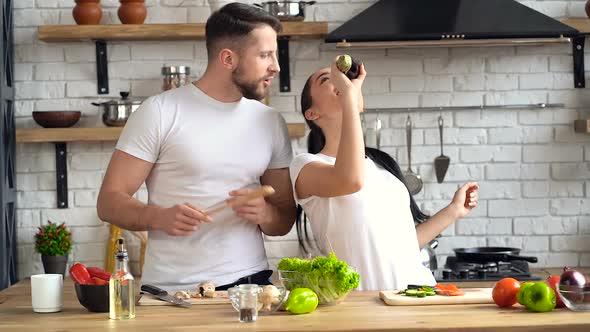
x=95, y=298
x=56, y=119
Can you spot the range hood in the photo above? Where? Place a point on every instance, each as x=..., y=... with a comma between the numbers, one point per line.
x=423, y=23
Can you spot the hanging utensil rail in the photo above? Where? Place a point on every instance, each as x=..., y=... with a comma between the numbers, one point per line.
x=460, y=108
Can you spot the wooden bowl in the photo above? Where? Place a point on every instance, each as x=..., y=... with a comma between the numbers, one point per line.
x=56, y=119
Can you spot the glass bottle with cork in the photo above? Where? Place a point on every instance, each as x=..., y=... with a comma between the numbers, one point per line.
x=121, y=286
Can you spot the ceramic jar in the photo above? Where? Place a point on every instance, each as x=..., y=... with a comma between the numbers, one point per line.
x=132, y=11
x=87, y=12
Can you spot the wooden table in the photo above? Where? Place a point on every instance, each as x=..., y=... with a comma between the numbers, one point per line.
x=361, y=311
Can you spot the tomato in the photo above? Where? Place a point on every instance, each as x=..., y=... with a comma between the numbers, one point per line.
x=554, y=283
x=504, y=292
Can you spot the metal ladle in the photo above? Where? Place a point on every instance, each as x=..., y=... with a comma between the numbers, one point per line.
x=378, y=133
x=413, y=180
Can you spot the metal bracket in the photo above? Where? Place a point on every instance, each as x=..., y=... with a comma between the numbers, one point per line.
x=102, y=67
x=61, y=175
x=578, y=54
x=284, y=74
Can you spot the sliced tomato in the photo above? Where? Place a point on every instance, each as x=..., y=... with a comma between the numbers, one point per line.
x=449, y=292
x=456, y=293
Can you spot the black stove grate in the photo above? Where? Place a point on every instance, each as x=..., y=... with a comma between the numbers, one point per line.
x=456, y=271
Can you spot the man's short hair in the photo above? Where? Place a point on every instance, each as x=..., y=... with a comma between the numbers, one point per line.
x=230, y=25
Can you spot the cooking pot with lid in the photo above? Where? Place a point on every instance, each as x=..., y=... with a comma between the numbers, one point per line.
x=115, y=112
x=286, y=10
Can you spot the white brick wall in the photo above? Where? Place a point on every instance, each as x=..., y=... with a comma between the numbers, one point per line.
x=534, y=171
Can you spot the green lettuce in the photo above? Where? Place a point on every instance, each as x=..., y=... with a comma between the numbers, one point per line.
x=330, y=278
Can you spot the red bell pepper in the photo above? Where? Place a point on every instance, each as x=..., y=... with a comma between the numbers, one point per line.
x=99, y=273
x=80, y=274
x=99, y=281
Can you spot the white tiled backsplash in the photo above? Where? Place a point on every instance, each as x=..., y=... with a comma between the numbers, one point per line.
x=534, y=171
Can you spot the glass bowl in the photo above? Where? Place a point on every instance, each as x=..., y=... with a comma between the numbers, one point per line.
x=325, y=288
x=575, y=298
x=267, y=302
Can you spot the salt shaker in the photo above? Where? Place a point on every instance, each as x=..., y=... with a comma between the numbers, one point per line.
x=244, y=299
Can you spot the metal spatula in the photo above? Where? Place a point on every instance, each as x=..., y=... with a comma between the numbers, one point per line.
x=441, y=163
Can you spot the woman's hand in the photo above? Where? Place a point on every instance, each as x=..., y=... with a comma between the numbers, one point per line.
x=465, y=199
x=345, y=86
x=358, y=82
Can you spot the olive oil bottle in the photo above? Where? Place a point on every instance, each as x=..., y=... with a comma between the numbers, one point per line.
x=121, y=287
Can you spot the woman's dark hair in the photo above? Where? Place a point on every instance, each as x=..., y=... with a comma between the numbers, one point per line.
x=315, y=143
x=232, y=23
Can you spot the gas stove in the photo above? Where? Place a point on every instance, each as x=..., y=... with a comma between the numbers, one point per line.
x=456, y=271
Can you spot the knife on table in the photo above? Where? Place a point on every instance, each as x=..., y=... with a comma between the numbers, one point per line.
x=164, y=296
x=262, y=191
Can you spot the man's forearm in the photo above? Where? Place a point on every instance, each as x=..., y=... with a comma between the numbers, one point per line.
x=280, y=222
x=123, y=211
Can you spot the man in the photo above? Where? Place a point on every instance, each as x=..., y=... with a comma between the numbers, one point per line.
x=195, y=145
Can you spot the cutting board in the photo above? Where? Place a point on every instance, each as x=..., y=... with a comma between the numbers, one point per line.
x=472, y=296
x=221, y=298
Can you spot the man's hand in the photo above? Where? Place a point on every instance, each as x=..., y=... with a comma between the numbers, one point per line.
x=255, y=210
x=178, y=220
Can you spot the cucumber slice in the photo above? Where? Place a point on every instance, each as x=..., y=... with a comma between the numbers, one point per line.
x=430, y=293
x=411, y=292
x=421, y=294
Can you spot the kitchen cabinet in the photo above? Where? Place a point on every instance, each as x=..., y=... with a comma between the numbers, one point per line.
x=100, y=34
x=361, y=311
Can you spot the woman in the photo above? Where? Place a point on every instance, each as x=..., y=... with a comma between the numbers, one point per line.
x=354, y=196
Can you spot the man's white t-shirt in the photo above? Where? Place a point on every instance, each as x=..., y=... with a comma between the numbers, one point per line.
x=202, y=149
x=372, y=230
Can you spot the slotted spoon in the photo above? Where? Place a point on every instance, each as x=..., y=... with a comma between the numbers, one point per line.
x=413, y=180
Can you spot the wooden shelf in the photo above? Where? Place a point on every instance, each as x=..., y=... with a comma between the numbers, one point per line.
x=580, y=24
x=194, y=31
x=40, y=135
x=582, y=126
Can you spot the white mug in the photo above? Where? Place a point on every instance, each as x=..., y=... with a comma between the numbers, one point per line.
x=47, y=292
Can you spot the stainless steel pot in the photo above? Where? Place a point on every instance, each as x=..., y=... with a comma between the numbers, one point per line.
x=428, y=257
x=116, y=112
x=286, y=10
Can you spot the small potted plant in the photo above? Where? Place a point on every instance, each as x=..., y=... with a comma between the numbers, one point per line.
x=54, y=242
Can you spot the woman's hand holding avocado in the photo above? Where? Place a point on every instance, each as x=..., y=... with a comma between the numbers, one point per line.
x=347, y=87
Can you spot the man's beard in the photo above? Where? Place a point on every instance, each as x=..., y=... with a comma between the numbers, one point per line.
x=249, y=89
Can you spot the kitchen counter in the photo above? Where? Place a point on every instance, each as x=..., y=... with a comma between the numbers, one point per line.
x=361, y=311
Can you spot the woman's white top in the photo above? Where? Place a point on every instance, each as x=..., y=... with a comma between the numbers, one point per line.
x=372, y=230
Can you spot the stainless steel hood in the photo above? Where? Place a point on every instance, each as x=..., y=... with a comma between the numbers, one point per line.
x=436, y=23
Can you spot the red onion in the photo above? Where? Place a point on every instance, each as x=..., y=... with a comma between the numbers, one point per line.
x=571, y=277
